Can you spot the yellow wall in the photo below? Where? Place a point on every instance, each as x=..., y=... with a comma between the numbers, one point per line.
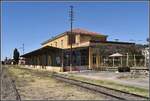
x=80, y=39
x=58, y=41
x=65, y=42
x=85, y=38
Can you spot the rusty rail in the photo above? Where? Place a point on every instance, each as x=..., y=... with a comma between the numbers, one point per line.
x=110, y=92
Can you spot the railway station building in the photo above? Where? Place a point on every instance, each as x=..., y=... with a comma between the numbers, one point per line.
x=90, y=50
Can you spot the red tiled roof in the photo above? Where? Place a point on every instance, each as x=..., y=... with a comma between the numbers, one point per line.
x=83, y=31
x=76, y=31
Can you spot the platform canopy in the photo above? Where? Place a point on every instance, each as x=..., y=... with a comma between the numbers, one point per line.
x=116, y=55
x=42, y=50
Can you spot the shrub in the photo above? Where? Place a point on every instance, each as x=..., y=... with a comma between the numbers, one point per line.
x=124, y=69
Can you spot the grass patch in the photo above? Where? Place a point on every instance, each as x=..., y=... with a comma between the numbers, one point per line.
x=111, y=84
x=23, y=76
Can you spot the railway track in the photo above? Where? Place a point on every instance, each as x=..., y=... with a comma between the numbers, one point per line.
x=109, y=92
x=12, y=83
x=18, y=98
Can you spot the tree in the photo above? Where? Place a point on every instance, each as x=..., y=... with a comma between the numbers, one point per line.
x=16, y=56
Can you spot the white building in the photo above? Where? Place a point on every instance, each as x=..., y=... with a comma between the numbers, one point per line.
x=145, y=52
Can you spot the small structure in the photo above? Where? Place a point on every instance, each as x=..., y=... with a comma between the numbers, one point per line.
x=8, y=61
x=116, y=55
x=21, y=61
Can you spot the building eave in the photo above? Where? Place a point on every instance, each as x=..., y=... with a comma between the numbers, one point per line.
x=40, y=50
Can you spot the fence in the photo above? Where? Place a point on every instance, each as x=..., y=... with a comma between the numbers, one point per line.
x=125, y=60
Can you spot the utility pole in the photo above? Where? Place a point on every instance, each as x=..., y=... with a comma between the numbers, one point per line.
x=70, y=35
x=62, y=57
x=22, y=48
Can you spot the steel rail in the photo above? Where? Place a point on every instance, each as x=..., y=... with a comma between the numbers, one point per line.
x=114, y=93
x=18, y=98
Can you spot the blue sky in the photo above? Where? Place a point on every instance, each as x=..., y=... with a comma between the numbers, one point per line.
x=32, y=23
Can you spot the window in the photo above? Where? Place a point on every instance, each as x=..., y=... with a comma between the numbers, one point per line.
x=94, y=58
x=71, y=38
x=58, y=60
x=61, y=43
x=56, y=44
x=84, y=57
x=84, y=60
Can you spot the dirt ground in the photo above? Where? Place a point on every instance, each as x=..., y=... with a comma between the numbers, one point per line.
x=7, y=90
x=138, y=80
x=39, y=85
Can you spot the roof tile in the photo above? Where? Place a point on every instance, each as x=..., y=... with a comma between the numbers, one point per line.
x=83, y=31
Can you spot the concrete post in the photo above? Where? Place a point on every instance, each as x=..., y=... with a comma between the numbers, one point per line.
x=90, y=58
x=127, y=61
x=62, y=60
x=97, y=60
x=134, y=61
x=145, y=60
x=100, y=61
x=121, y=60
x=113, y=62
